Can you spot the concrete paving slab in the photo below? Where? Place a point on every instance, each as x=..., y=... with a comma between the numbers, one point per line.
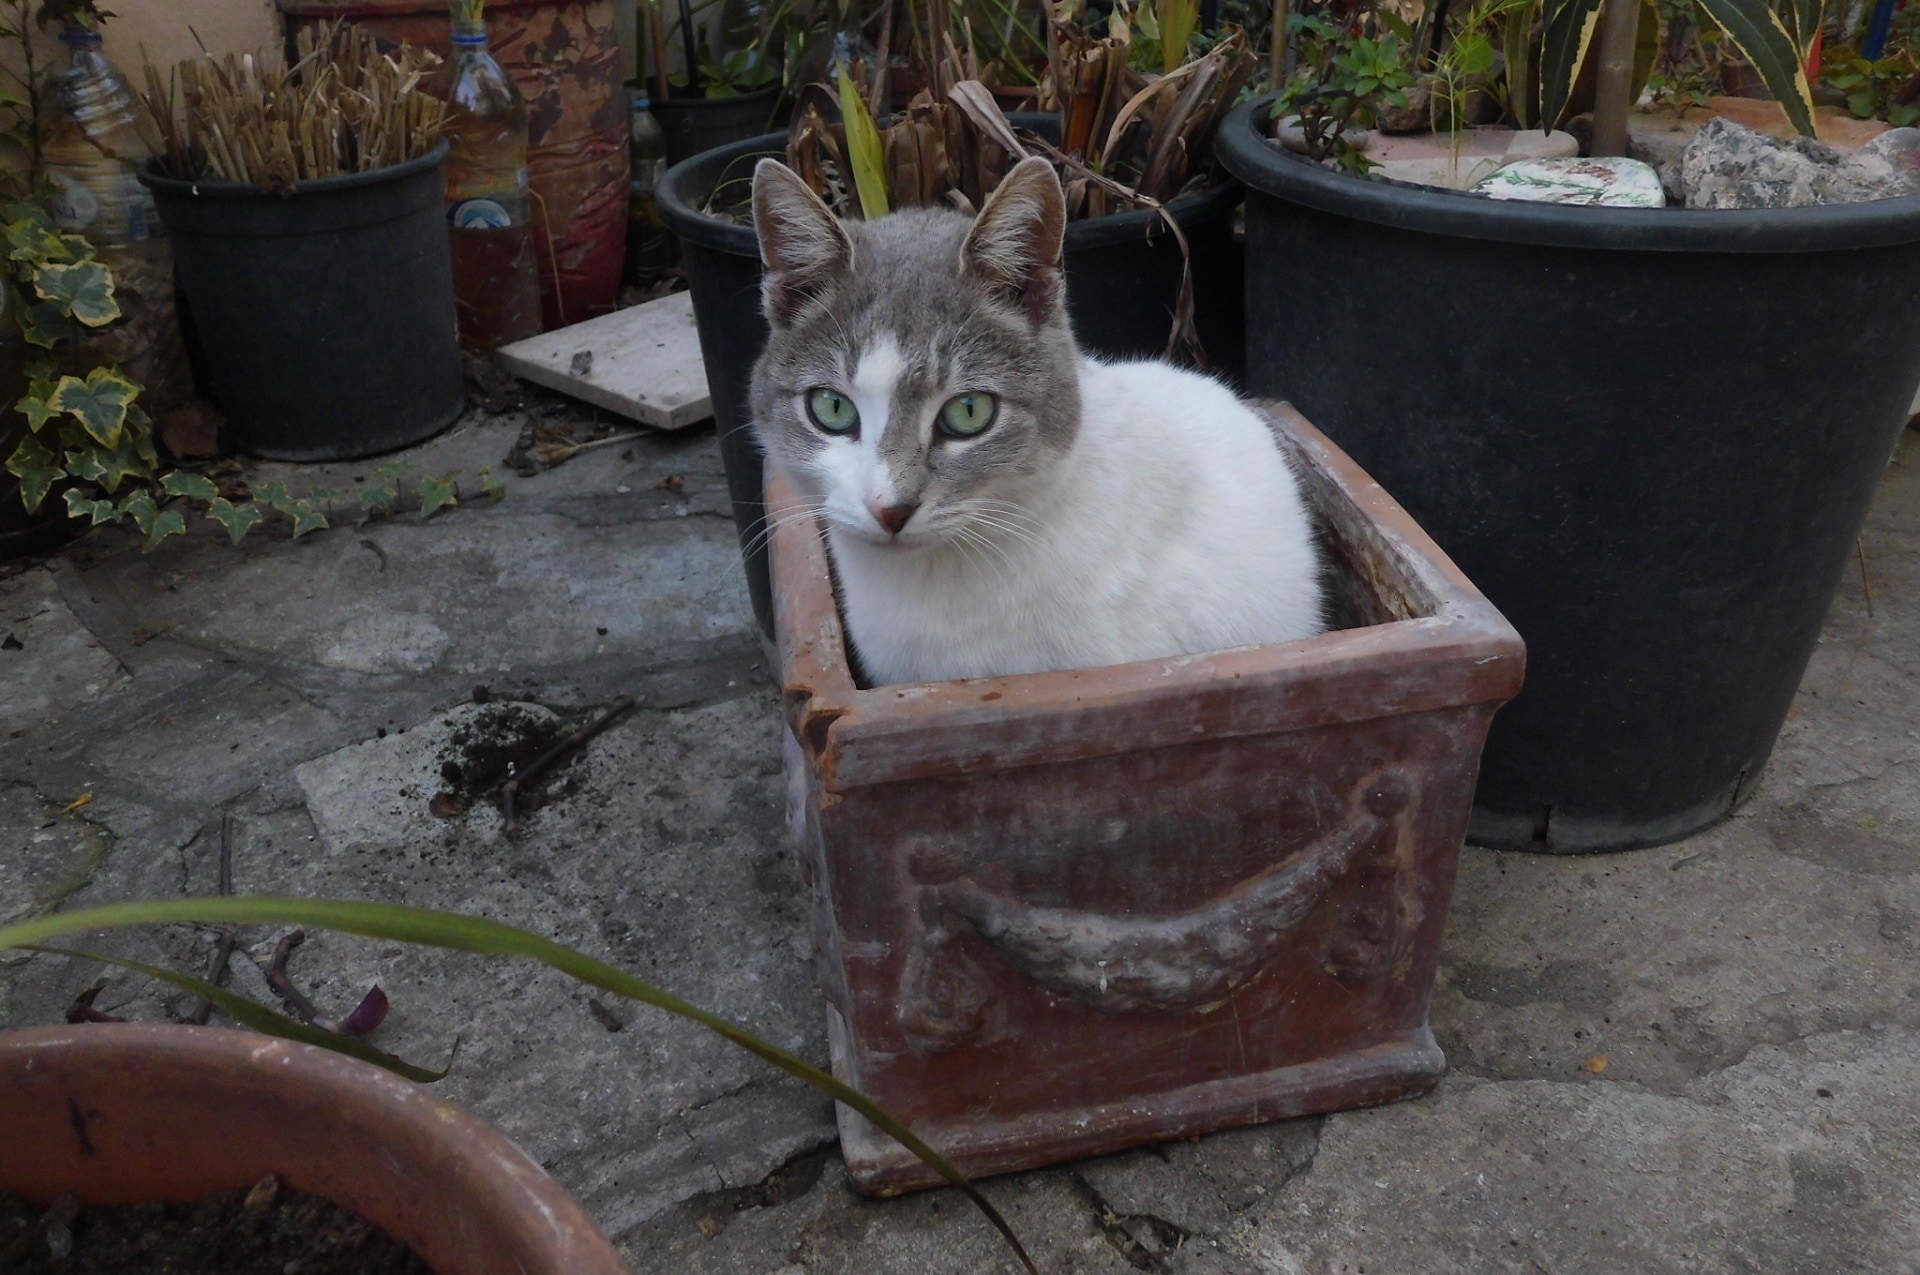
x=642, y=362
x=1698, y=1058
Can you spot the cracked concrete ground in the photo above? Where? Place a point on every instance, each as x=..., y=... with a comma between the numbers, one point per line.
x=1699, y=1058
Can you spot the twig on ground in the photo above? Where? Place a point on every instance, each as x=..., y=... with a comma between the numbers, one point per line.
x=282, y=983
x=229, y=934
x=82, y=1010
x=510, y=790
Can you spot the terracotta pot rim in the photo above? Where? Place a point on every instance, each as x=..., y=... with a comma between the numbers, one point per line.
x=164, y=1085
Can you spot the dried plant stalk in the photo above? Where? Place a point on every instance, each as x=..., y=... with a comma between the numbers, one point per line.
x=344, y=106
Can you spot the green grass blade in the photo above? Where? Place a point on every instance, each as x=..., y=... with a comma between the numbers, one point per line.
x=1564, y=46
x=259, y=1017
x=865, y=154
x=1520, y=94
x=1756, y=30
x=398, y=923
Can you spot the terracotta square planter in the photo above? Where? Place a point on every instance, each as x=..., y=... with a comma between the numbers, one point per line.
x=1065, y=913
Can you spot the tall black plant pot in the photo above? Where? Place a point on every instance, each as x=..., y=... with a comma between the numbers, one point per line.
x=695, y=125
x=1649, y=436
x=1123, y=276
x=325, y=316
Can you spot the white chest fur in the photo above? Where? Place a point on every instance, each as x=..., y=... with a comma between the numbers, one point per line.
x=1172, y=527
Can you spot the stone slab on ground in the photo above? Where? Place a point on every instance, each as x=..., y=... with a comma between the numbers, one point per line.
x=642, y=362
x=1698, y=1058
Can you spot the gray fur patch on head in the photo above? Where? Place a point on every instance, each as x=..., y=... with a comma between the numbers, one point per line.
x=950, y=305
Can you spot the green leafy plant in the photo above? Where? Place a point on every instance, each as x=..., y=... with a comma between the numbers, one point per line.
x=1887, y=88
x=1344, y=77
x=456, y=932
x=87, y=436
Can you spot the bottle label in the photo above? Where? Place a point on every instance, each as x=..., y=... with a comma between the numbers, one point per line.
x=115, y=207
x=479, y=214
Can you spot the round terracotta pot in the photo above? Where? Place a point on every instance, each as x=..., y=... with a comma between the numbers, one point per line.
x=118, y=1113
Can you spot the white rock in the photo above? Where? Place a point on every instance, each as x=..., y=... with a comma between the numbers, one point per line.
x=1602, y=182
x=1288, y=132
x=1728, y=165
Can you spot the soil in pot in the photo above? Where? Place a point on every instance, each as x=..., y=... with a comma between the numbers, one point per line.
x=263, y=1231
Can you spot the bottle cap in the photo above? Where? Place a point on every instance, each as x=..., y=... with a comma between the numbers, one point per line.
x=76, y=36
x=641, y=101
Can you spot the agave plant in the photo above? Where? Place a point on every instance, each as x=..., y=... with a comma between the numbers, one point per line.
x=1776, y=39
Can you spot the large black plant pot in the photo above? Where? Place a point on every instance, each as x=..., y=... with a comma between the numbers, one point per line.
x=1650, y=436
x=1123, y=277
x=326, y=314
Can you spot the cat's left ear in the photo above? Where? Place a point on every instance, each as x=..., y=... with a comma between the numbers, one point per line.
x=1015, y=244
x=802, y=244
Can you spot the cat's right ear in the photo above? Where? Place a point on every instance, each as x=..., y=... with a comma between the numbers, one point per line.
x=1016, y=241
x=802, y=244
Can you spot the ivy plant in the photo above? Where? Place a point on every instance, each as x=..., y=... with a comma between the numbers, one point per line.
x=88, y=437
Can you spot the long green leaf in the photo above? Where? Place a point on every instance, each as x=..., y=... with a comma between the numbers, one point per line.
x=398, y=923
x=1514, y=35
x=1804, y=19
x=252, y=1014
x=1756, y=30
x=865, y=154
x=1564, y=45
x=1177, y=21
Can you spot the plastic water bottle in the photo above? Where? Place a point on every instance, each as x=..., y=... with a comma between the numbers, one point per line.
x=650, y=249
x=496, y=281
x=94, y=135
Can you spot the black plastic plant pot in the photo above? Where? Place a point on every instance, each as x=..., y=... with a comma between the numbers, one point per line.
x=695, y=125
x=325, y=317
x=1123, y=278
x=1650, y=436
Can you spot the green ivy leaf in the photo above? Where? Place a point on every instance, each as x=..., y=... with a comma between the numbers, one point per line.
x=37, y=411
x=493, y=487
x=32, y=236
x=47, y=323
x=274, y=495
x=391, y=472
x=192, y=486
x=170, y=522
x=36, y=468
x=324, y=496
x=306, y=518
x=79, y=505
x=100, y=402
x=237, y=519
x=84, y=288
x=140, y=507
x=377, y=498
x=437, y=493
x=108, y=466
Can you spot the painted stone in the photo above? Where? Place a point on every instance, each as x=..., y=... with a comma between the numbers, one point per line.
x=1600, y=183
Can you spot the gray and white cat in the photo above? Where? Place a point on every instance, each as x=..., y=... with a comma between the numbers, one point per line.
x=997, y=502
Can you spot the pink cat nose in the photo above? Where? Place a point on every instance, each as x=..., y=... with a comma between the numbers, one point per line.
x=892, y=517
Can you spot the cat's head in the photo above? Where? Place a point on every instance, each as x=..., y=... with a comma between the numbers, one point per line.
x=920, y=377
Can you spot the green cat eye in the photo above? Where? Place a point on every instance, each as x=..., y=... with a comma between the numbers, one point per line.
x=965, y=415
x=832, y=411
